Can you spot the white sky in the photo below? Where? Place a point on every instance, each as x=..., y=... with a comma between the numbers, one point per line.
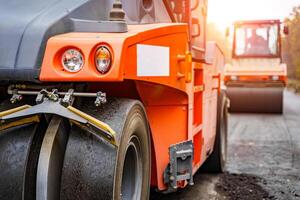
x=224, y=12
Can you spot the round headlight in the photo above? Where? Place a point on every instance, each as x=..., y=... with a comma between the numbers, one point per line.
x=72, y=60
x=234, y=78
x=103, y=59
x=275, y=78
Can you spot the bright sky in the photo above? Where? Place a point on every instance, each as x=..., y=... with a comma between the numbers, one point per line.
x=224, y=12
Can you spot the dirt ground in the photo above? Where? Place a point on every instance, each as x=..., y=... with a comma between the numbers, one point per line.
x=263, y=160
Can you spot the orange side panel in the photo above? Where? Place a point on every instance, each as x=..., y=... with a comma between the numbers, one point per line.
x=168, y=127
x=158, y=95
x=123, y=46
x=178, y=46
x=168, y=118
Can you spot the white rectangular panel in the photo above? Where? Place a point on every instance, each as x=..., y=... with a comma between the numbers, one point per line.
x=153, y=60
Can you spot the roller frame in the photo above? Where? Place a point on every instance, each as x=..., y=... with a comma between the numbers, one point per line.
x=55, y=107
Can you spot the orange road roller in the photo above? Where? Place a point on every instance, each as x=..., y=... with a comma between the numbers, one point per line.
x=257, y=77
x=103, y=99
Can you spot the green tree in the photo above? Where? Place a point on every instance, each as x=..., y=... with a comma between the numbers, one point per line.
x=291, y=44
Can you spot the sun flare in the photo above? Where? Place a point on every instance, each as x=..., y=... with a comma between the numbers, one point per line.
x=224, y=12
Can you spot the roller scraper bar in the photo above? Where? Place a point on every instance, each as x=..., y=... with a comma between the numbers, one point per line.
x=52, y=104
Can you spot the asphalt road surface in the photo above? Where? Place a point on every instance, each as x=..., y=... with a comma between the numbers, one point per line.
x=263, y=159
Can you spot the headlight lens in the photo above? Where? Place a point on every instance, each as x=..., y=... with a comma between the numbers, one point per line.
x=275, y=78
x=234, y=78
x=72, y=60
x=103, y=59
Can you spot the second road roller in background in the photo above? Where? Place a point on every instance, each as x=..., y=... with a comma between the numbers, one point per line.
x=256, y=79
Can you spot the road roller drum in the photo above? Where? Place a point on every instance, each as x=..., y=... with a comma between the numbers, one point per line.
x=255, y=99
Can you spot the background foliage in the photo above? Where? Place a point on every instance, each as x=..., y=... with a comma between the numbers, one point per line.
x=291, y=44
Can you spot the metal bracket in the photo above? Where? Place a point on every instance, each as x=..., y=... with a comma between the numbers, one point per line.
x=40, y=98
x=100, y=99
x=218, y=76
x=68, y=98
x=44, y=94
x=181, y=164
x=15, y=97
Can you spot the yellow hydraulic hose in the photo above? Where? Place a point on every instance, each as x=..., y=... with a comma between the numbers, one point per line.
x=95, y=122
x=20, y=122
x=14, y=110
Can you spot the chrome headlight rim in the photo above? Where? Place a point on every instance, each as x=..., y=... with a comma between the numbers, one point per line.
x=80, y=59
x=103, y=52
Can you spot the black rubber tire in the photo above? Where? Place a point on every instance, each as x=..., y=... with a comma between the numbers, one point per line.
x=135, y=131
x=216, y=162
x=3, y=94
x=93, y=169
x=19, y=152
